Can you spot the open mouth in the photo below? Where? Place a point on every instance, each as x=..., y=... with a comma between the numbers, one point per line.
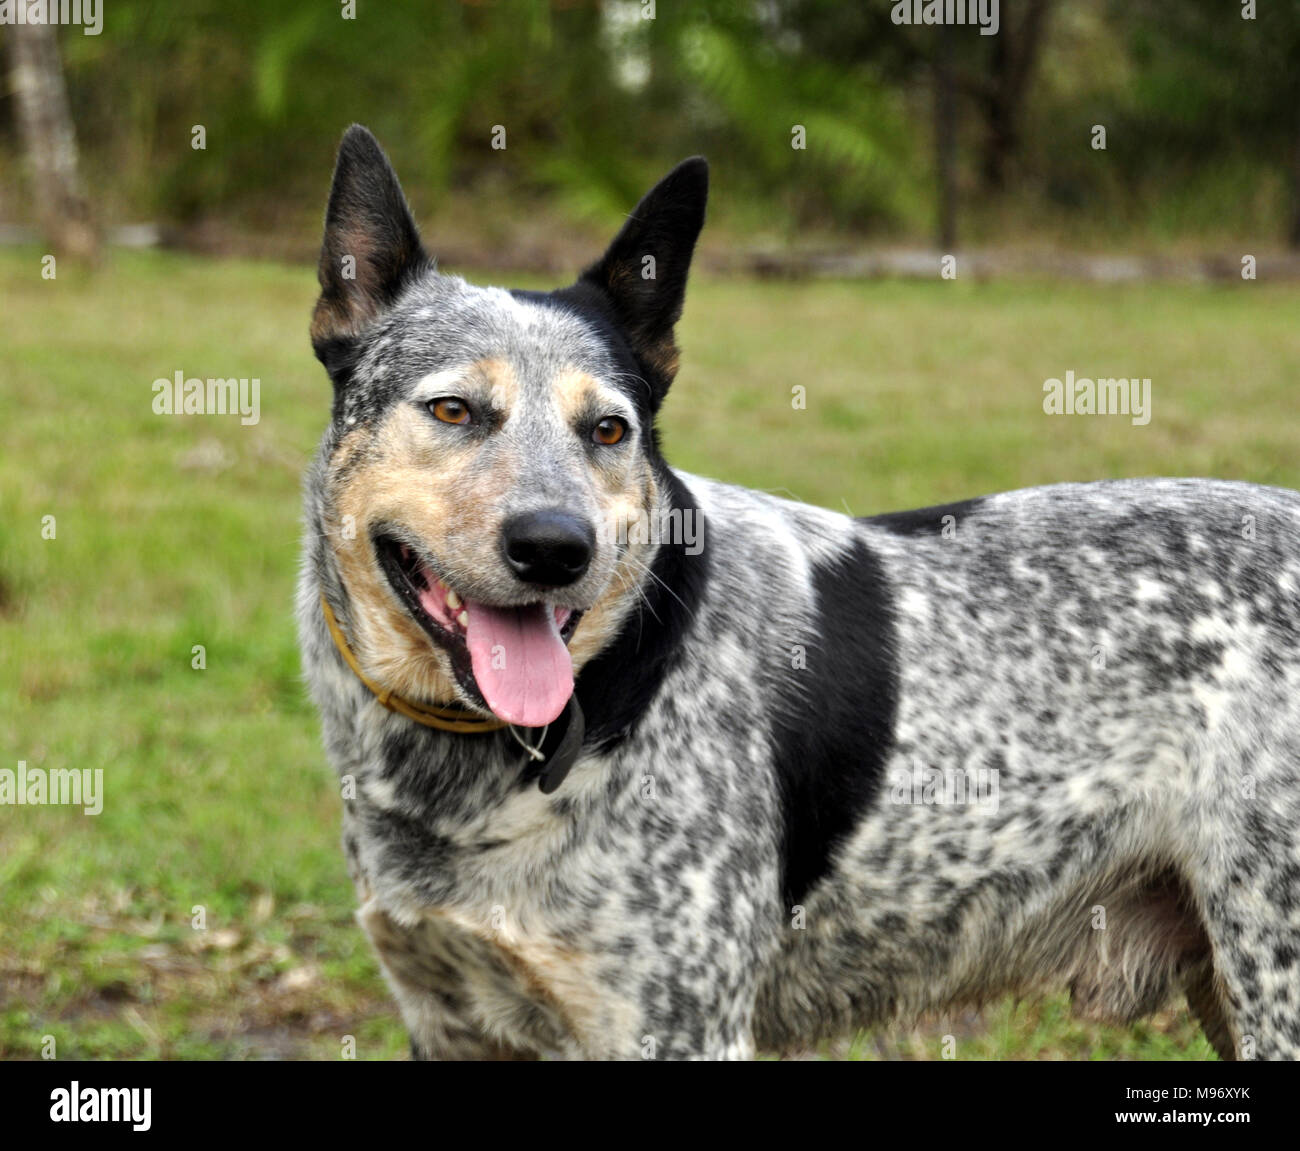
x=513, y=661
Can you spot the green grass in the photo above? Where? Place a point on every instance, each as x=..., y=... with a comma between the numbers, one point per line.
x=177, y=531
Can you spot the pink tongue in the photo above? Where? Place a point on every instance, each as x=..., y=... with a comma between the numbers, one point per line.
x=520, y=662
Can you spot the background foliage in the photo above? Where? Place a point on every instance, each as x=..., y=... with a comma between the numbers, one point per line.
x=1202, y=109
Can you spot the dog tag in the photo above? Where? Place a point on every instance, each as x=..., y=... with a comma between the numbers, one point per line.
x=559, y=761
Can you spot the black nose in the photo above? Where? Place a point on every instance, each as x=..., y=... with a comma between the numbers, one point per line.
x=551, y=548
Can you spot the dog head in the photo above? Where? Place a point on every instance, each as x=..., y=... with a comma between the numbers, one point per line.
x=492, y=465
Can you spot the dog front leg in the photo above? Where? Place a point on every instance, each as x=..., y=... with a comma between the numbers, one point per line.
x=441, y=984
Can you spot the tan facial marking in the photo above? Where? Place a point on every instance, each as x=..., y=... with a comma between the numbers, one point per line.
x=498, y=376
x=397, y=479
x=574, y=392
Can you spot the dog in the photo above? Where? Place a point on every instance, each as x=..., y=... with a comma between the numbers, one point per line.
x=637, y=764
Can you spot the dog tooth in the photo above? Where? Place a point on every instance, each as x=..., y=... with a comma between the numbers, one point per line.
x=453, y=600
x=463, y=619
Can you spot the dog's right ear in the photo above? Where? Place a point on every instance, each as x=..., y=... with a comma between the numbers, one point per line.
x=371, y=248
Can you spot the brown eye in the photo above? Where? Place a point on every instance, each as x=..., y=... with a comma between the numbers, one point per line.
x=450, y=410
x=609, y=431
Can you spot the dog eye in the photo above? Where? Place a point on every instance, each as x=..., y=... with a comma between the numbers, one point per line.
x=609, y=431
x=450, y=410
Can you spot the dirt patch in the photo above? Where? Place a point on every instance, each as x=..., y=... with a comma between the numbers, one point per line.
x=9, y=600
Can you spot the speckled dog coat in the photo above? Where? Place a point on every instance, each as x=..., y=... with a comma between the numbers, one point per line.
x=820, y=773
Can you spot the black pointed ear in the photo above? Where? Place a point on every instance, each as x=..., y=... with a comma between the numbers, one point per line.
x=643, y=273
x=371, y=248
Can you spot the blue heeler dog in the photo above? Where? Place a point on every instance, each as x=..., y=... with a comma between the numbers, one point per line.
x=638, y=764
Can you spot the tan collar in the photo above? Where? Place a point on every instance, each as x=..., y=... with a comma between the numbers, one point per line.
x=454, y=718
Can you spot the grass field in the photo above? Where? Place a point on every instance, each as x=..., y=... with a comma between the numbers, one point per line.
x=173, y=532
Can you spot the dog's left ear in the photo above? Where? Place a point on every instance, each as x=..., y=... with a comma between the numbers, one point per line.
x=643, y=273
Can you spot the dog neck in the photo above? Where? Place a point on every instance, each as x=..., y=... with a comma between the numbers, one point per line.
x=559, y=745
x=453, y=718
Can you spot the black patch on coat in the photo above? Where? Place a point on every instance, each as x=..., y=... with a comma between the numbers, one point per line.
x=925, y=521
x=834, y=730
x=340, y=357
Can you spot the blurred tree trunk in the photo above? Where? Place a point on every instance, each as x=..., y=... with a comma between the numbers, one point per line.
x=1295, y=190
x=945, y=137
x=36, y=78
x=1016, y=49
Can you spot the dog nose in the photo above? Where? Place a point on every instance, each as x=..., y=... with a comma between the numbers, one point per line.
x=550, y=548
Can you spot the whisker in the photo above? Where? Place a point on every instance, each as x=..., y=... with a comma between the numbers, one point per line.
x=646, y=569
x=640, y=591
